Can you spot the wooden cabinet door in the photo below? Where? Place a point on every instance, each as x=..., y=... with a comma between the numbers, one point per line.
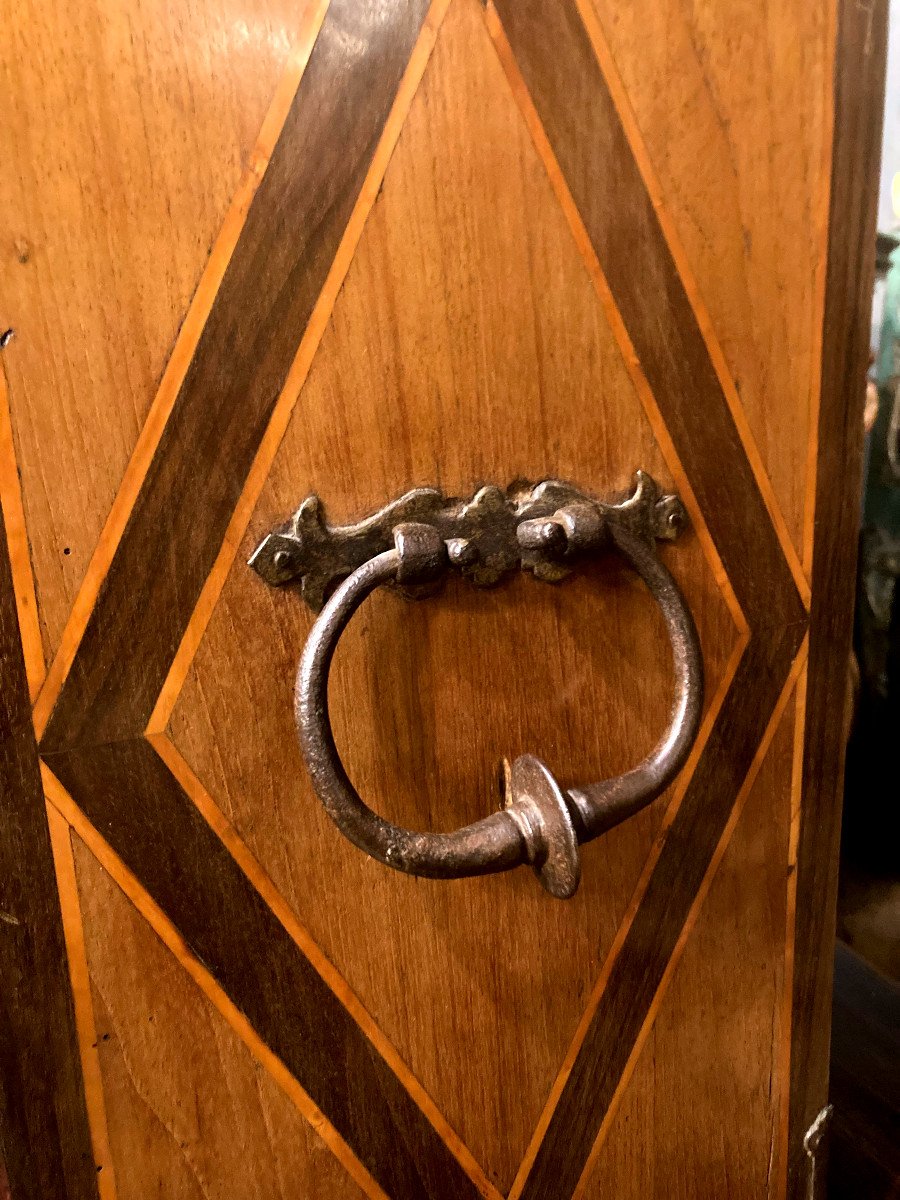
x=256, y=249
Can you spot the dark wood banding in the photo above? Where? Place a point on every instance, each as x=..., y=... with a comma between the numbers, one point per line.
x=94, y=740
x=573, y=102
x=638, y=969
x=130, y=795
x=572, y=99
x=45, y=1139
x=859, y=68
x=275, y=275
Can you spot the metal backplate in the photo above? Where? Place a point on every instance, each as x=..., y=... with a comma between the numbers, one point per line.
x=544, y=527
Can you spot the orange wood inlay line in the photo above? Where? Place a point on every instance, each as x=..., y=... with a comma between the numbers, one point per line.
x=686, y=379
x=19, y=553
x=225, y=923
x=70, y=814
x=297, y=375
x=243, y=357
x=178, y=363
x=46, y=1138
x=60, y=839
x=623, y=223
x=168, y=547
x=777, y=714
x=595, y=270
x=688, y=770
x=780, y=1165
x=238, y=849
x=620, y=99
x=857, y=104
x=642, y=958
x=823, y=230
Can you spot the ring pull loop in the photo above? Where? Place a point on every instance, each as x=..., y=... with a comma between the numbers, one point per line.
x=413, y=543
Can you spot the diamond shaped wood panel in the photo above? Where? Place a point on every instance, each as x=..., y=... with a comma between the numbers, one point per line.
x=459, y=260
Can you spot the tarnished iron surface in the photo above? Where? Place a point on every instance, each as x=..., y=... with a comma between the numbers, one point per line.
x=544, y=527
x=413, y=543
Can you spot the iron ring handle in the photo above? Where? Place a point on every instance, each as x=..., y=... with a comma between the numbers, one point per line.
x=540, y=824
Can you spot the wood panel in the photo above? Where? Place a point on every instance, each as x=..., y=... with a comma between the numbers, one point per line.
x=572, y=98
x=732, y=104
x=18, y=547
x=227, y=925
x=473, y=350
x=85, y=1025
x=191, y=1113
x=286, y=248
x=494, y=322
x=109, y=208
x=648, y=948
x=858, y=104
x=701, y=1115
x=221, y=917
x=583, y=124
x=44, y=1135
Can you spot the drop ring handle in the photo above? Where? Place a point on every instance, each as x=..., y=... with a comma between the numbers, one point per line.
x=541, y=824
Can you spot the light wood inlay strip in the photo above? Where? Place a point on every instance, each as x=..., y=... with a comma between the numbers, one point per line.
x=823, y=229
x=238, y=849
x=857, y=105
x=762, y=750
x=45, y=1131
x=19, y=552
x=170, y=543
x=630, y=126
x=268, y=293
x=73, y=929
x=783, y=1072
x=614, y=317
x=690, y=766
x=176, y=368
x=558, y=62
x=71, y=815
x=297, y=376
x=583, y=125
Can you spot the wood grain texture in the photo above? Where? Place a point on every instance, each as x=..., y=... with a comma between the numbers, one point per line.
x=300, y=935
x=653, y=937
x=18, y=548
x=296, y=377
x=448, y=323
x=573, y=101
x=288, y=240
x=637, y=261
x=179, y=360
x=589, y=255
x=218, y=420
x=192, y=1115
x=44, y=1135
x=729, y=102
x=73, y=930
x=474, y=338
x=127, y=130
x=60, y=800
x=714, y=1047
x=858, y=99
x=129, y=794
